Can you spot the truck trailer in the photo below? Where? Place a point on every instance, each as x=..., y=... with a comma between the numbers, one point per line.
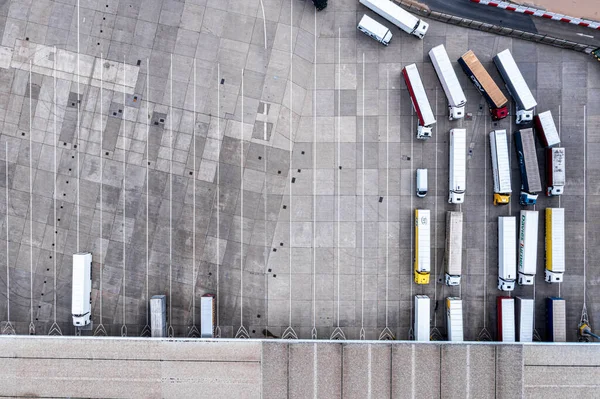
x=450, y=84
x=528, y=235
x=531, y=183
x=374, y=29
x=525, y=312
x=507, y=252
x=453, y=253
x=422, y=315
x=500, y=166
x=419, y=101
x=398, y=16
x=497, y=101
x=454, y=319
x=422, y=246
x=555, y=245
x=555, y=171
x=458, y=166
x=81, y=289
x=158, y=316
x=556, y=319
x=546, y=129
x=207, y=316
x=516, y=86
x=505, y=306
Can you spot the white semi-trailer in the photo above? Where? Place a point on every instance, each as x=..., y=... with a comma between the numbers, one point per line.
x=506, y=318
x=500, y=166
x=556, y=318
x=528, y=235
x=516, y=85
x=454, y=319
x=507, y=252
x=525, y=309
x=458, y=166
x=420, y=103
x=450, y=84
x=555, y=171
x=81, y=290
x=453, y=253
x=158, y=316
x=399, y=17
x=546, y=129
x=422, y=315
x=555, y=245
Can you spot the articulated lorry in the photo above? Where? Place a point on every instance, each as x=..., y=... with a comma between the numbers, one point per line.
x=419, y=101
x=450, y=84
x=497, y=101
x=525, y=312
x=555, y=171
x=458, y=166
x=500, y=166
x=507, y=252
x=453, y=252
x=516, y=86
x=399, y=17
x=528, y=235
x=531, y=183
x=546, y=129
x=422, y=246
x=454, y=319
x=422, y=316
x=505, y=307
x=555, y=245
x=556, y=319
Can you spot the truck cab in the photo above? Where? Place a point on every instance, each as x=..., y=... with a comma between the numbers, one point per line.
x=501, y=199
x=420, y=29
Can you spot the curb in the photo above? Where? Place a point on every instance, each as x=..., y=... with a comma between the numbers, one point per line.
x=536, y=12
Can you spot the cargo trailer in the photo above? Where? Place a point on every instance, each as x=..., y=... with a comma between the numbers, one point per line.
x=546, y=129
x=556, y=319
x=497, y=101
x=528, y=236
x=420, y=103
x=500, y=166
x=422, y=317
x=398, y=16
x=208, y=315
x=531, y=184
x=158, y=316
x=458, y=166
x=422, y=246
x=516, y=86
x=453, y=252
x=81, y=290
x=507, y=252
x=374, y=29
x=505, y=306
x=555, y=245
x=454, y=319
x=525, y=313
x=450, y=84
x=555, y=171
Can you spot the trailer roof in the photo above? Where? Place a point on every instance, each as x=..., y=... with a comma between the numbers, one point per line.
x=482, y=75
x=514, y=78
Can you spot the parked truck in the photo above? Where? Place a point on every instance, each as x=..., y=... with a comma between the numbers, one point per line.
x=555, y=245
x=516, y=86
x=422, y=246
x=454, y=319
x=422, y=315
x=555, y=171
x=81, y=289
x=419, y=101
x=505, y=306
x=450, y=84
x=458, y=166
x=158, y=316
x=507, y=252
x=546, y=129
x=528, y=235
x=525, y=309
x=500, y=166
x=375, y=30
x=531, y=183
x=497, y=101
x=453, y=253
x=399, y=17
x=208, y=314
x=556, y=319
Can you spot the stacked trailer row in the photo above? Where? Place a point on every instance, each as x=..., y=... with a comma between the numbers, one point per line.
x=497, y=101
x=450, y=84
x=516, y=86
x=419, y=99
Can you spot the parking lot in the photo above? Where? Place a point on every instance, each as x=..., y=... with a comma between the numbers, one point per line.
x=178, y=173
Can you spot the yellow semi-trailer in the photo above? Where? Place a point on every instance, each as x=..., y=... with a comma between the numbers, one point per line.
x=422, y=246
x=500, y=166
x=555, y=245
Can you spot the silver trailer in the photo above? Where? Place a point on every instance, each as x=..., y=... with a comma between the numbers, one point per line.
x=453, y=253
x=158, y=316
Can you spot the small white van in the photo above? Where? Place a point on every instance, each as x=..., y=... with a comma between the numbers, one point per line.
x=377, y=31
x=421, y=183
x=81, y=292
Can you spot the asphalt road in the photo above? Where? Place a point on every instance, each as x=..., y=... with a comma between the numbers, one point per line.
x=509, y=19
